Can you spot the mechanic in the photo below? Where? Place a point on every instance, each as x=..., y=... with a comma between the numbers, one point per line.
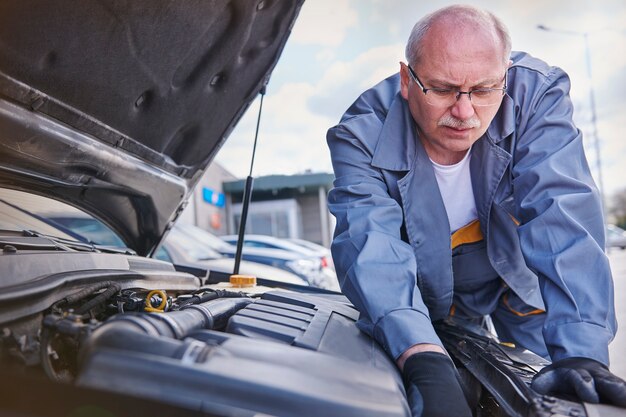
x=462, y=189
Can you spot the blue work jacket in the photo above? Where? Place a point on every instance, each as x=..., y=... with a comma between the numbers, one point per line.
x=539, y=212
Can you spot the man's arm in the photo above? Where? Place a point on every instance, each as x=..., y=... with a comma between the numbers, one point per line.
x=562, y=230
x=562, y=239
x=376, y=269
x=377, y=272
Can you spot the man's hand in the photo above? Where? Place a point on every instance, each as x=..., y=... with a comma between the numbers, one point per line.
x=433, y=388
x=584, y=378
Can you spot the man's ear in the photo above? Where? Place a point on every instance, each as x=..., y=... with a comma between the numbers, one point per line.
x=405, y=78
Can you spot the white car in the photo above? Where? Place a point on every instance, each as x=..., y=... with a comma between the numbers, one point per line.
x=316, y=248
x=615, y=237
x=325, y=278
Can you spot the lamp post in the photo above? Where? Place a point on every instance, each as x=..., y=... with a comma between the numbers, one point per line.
x=592, y=102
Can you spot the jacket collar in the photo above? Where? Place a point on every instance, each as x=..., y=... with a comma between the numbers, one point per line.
x=503, y=124
x=395, y=149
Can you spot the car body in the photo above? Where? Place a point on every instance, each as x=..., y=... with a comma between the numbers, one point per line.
x=271, y=242
x=181, y=248
x=316, y=248
x=306, y=265
x=615, y=237
x=116, y=108
x=254, y=241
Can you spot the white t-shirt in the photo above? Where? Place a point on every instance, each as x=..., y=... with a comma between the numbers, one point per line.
x=455, y=186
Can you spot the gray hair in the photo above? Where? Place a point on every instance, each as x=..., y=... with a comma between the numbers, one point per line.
x=478, y=17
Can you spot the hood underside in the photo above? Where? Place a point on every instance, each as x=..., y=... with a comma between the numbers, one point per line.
x=117, y=107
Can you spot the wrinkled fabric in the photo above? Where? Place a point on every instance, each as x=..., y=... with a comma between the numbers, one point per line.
x=537, y=204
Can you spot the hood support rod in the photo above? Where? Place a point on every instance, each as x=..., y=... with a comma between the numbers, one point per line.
x=247, y=194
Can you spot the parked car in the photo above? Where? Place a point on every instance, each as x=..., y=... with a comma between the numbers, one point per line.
x=322, y=251
x=271, y=242
x=182, y=248
x=615, y=237
x=116, y=108
x=303, y=263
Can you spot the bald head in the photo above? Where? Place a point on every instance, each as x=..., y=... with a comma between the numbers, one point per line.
x=458, y=22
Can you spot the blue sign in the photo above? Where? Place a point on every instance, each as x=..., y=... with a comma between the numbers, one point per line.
x=213, y=197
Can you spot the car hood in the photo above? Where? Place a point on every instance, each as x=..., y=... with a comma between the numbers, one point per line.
x=118, y=107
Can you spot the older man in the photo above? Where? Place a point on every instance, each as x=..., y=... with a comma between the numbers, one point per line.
x=462, y=189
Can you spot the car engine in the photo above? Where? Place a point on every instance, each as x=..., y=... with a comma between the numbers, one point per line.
x=211, y=348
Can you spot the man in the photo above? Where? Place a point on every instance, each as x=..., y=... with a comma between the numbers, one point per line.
x=462, y=189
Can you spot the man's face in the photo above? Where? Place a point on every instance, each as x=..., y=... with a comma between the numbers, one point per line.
x=459, y=58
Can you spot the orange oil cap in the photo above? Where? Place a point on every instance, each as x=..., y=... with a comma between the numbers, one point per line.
x=243, y=280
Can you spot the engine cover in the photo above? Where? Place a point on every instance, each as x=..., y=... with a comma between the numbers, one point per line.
x=284, y=354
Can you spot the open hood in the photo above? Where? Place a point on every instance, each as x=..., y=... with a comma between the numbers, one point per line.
x=117, y=107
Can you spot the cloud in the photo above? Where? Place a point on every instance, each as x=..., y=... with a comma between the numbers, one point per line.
x=324, y=22
x=343, y=81
x=292, y=139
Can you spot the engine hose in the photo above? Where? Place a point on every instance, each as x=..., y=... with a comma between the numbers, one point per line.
x=101, y=298
x=212, y=294
x=127, y=331
x=156, y=334
x=86, y=292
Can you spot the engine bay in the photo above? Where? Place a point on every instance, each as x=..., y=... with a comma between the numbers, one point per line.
x=212, y=348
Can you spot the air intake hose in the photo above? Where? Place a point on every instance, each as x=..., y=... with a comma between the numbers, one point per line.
x=157, y=333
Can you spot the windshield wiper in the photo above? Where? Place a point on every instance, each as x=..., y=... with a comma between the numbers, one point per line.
x=40, y=241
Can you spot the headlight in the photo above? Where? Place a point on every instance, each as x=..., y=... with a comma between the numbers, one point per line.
x=305, y=266
x=316, y=276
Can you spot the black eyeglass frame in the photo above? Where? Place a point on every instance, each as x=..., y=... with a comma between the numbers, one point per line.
x=458, y=92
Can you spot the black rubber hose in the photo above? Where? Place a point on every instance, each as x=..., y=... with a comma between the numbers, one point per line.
x=84, y=293
x=99, y=299
x=134, y=331
x=210, y=295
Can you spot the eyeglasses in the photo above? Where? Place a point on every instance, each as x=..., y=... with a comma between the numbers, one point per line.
x=446, y=97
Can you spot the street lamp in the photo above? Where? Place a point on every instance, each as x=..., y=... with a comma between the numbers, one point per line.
x=592, y=102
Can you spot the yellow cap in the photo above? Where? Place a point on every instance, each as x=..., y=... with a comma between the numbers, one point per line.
x=243, y=280
x=508, y=344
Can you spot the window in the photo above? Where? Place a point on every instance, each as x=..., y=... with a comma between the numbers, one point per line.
x=280, y=218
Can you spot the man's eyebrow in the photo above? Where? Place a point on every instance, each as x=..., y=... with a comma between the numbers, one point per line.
x=447, y=84
x=490, y=81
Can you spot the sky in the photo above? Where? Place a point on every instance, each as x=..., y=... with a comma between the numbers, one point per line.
x=339, y=48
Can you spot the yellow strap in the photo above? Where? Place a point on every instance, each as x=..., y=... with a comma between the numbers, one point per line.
x=505, y=300
x=470, y=233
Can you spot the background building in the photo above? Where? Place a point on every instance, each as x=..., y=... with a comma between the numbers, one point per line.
x=207, y=206
x=286, y=206
x=290, y=206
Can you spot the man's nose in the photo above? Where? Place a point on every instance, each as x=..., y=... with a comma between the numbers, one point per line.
x=463, y=108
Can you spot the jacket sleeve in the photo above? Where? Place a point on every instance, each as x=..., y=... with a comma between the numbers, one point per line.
x=375, y=267
x=562, y=230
